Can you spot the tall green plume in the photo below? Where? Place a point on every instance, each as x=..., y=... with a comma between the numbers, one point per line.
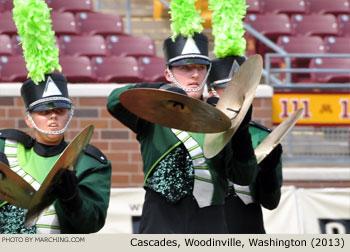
x=227, y=27
x=185, y=19
x=33, y=22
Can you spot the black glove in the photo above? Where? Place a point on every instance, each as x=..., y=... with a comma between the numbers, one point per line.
x=67, y=190
x=271, y=161
x=213, y=100
x=3, y=159
x=268, y=175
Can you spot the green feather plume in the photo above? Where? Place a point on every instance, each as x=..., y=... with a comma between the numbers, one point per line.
x=185, y=19
x=33, y=22
x=227, y=27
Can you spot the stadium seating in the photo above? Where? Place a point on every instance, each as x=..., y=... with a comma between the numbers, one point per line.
x=126, y=45
x=76, y=45
x=344, y=25
x=5, y=45
x=71, y=5
x=7, y=25
x=315, y=24
x=117, y=69
x=152, y=68
x=13, y=69
x=330, y=63
x=77, y=69
x=63, y=23
x=329, y=6
x=337, y=44
x=99, y=23
x=286, y=6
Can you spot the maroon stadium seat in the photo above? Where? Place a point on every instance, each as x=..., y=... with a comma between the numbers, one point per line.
x=125, y=45
x=71, y=5
x=315, y=24
x=301, y=44
x=117, y=69
x=13, y=69
x=5, y=45
x=16, y=46
x=270, y=25
x=286, y=6
x=152, y=69
x=63, y=23
x=337, y=44
x=254, y=6
x=76, y=45
x=344, y=25
x=77, y=69
x=329, y=6
x=330, y=63
x=99, y=23
x=7, y=25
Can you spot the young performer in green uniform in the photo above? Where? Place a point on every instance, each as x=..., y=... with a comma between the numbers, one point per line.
x=185, y=192
x=243, y=203
x=83, y=195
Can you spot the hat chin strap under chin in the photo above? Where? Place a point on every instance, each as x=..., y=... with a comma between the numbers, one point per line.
x=189, y=89
x=57, y=132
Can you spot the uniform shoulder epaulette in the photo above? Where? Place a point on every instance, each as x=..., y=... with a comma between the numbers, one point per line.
x=260, y=126
x=95, y=153
x=17, y=135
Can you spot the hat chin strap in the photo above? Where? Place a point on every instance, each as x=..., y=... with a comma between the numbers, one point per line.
x=46, y=132
x=189, y=89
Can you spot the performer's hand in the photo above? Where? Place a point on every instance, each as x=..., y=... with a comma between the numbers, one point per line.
x=3, y=158
x=271, y=161
x=67, y=190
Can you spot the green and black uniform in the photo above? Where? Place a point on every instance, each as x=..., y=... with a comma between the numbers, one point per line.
x=33, y=161
x=243, y=203
x=174, y=165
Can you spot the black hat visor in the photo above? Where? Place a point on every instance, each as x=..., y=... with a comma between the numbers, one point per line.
x=190, y=61
x=50, y=105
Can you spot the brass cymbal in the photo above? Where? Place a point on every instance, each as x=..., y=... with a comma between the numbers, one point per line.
x=13, y=188
x=174, y=110
x=43, y=197
x=235, y=102
x=276, y=136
